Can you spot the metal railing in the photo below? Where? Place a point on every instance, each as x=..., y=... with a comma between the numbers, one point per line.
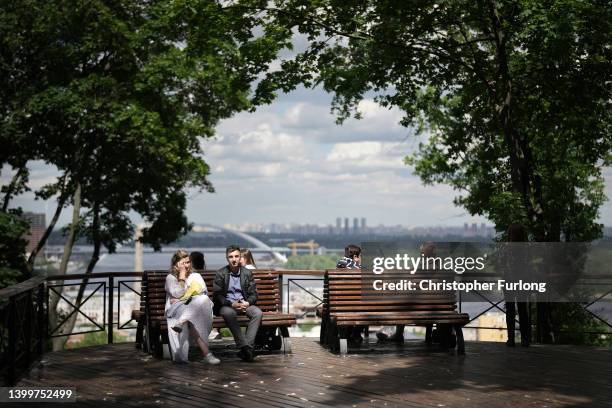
x=109, y=285
x=24, y=311
x=22, y=328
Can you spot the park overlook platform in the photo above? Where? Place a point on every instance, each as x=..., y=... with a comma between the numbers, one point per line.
x=489, y=375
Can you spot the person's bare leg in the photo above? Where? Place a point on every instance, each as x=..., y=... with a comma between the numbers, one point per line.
x=209, y=357
x=203, y=346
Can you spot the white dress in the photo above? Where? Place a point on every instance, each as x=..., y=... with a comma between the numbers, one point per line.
x=198, y=313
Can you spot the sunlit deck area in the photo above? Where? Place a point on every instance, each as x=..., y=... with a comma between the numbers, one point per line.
x=490, y=374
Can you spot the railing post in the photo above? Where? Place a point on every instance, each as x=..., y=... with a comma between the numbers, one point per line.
x=111, y=284
x=42, y=318
x=12, y=340
x=28, y=327
x=280, y=291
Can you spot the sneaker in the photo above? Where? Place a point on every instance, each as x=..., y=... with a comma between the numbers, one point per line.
x=246, y=353
x=382, y=336
x=355, y=341
x=397, y=338
x=211, y=359
x=510, y=343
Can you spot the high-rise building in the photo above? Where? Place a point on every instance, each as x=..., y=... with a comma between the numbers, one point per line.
x=346, y=226
x=363, y=224
x=38, y=225
x=355, y=225
x=338, y=225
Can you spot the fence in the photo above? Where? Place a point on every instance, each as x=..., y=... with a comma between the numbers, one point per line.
x=24, y=311
x=23, y=330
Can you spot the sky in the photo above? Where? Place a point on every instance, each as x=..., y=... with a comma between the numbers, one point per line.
x=289, y=162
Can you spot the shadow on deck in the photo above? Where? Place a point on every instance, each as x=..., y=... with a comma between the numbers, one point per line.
x=489, y=375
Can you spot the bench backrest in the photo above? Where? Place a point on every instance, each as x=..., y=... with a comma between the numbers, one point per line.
x=154, y=292
x=350, y=291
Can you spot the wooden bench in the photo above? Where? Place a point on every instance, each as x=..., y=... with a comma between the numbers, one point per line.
x=268, y=300
x=347, y=301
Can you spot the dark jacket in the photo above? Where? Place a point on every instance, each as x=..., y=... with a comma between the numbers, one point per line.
x=221, y=283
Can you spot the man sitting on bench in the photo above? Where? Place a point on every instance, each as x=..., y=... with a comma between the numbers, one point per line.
x=235, y=294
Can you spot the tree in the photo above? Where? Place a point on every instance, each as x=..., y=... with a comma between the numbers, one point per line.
x=12, y=248
x=82, y=82
x=116, y=95
x=515, y=95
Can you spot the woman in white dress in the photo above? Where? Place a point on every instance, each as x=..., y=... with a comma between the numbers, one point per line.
x=188, y=309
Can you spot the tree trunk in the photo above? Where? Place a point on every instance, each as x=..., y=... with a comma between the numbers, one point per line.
x=21, y=172
x=54, y=298
x=76, y=217
x=524, y=178
x=97, y=241
x=61, y=201
x=521, y=159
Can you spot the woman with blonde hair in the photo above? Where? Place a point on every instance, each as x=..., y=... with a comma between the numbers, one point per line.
x=187, y=302
x=246, y=259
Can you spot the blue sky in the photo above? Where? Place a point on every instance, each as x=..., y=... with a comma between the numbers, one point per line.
x=290, y=162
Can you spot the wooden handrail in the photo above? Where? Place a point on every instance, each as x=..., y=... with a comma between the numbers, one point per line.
x=288, y=272
x=94, y=275
x=21, y=287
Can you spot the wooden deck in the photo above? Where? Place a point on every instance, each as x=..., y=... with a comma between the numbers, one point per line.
x=490, y=375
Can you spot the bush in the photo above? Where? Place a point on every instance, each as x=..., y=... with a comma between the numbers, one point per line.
x=13, y=267
x=317, y=262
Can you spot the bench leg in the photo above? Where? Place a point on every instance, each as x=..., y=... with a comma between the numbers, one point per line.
x=146, y=345
x=343, y=346
x=139, y=329
x=332, y=336
x=460, y=341
x=153, y=341
x=323, y=333
x=166, y=352
x=342, y=340
x=286, y=340
x=145, y=340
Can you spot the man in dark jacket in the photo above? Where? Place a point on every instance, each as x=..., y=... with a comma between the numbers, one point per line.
x=235, y=294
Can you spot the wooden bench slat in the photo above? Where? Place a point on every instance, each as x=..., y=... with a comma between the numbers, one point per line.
x=350, y=300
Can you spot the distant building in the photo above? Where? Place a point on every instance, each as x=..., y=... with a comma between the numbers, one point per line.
x=355, y=225
x=363, y=224
x=38, y=225
x=346, y=226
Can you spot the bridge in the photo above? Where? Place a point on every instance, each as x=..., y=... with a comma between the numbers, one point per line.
x=256, y=245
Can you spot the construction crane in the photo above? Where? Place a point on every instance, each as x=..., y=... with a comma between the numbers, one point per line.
x=295, y=245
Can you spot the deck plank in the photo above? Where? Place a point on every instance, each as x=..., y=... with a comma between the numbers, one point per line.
x=490, y=375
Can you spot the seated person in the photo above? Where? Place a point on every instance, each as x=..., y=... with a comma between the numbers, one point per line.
x=428, y=249
x=352, y=260
x=199, y=264
x=235, y=294
x=246, y=259
x=185, y=304
x=197, y=261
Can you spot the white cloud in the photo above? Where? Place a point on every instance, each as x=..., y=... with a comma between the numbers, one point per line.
x=290, y=162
